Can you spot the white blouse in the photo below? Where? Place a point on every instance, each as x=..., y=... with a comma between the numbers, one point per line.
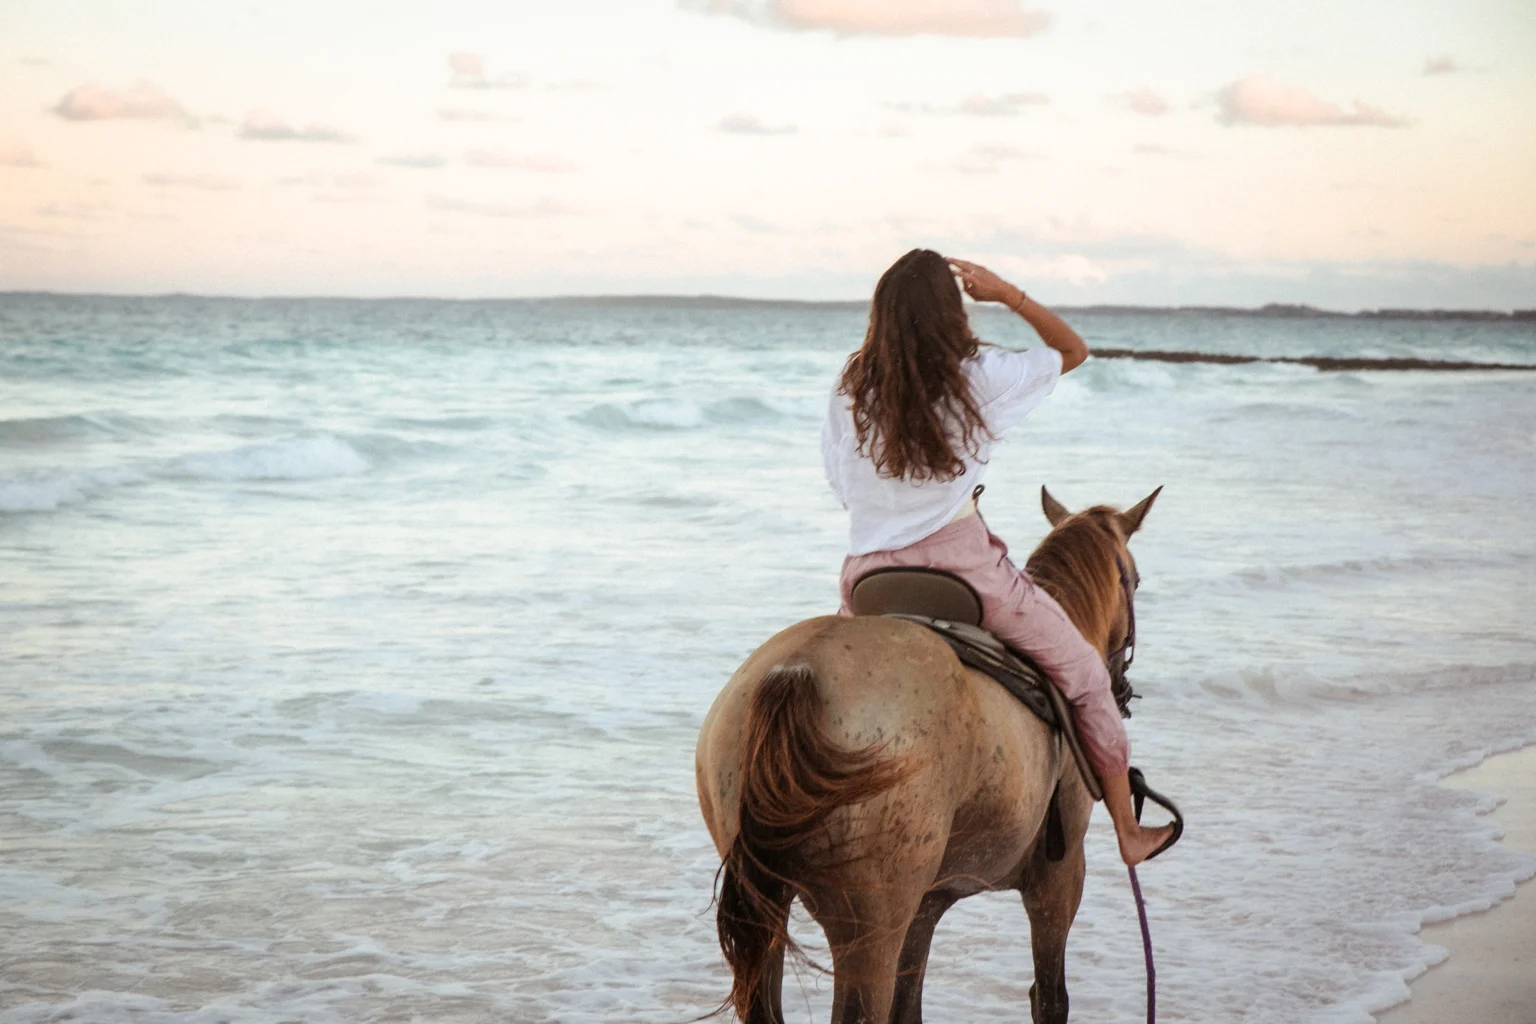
x=887, y=513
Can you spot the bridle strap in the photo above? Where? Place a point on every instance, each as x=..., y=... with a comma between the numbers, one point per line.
x=1121, y=659
x=1128, y=648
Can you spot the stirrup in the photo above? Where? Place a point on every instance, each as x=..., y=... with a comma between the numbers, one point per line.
x=1140, y=794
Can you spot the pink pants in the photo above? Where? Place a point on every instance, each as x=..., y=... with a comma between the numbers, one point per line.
x=1026, y=618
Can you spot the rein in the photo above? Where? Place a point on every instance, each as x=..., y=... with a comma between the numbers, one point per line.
x=1120, y=686
x=1120, y=660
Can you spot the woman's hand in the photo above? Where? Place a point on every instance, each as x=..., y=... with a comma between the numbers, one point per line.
x=983, y=285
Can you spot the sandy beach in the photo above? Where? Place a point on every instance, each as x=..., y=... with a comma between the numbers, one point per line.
x=1490, y=975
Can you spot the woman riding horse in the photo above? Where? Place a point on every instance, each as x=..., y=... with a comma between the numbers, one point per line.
x=854, y=762
x=911, y=426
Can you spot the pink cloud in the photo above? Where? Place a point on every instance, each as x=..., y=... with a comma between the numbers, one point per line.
x=1146, y=102
x=1442, y=65
x=977, y=19
x=264, y=126
x=141, y=101
x=15, y=156
x=1257, y=100
x=467, y=71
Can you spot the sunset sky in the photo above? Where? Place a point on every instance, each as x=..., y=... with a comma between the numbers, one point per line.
x=1347, y=153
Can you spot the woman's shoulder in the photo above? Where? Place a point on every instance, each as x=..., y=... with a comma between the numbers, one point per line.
x=996, y=371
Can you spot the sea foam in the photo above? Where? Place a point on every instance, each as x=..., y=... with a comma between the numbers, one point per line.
x=307, y=458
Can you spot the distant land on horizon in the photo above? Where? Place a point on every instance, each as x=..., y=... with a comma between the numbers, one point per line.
x=1272, y=310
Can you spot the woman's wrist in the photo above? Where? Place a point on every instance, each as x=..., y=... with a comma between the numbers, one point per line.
x=1015, y=301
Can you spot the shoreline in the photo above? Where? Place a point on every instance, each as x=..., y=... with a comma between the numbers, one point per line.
x=1489, y=974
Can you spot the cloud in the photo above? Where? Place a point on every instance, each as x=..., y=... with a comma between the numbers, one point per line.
x=418, y=161
x=263, y=126
x=1441, y=65
x=1257, y=100
x=495, y=160
x=1146, y=102
x=315, y=179
x=453, y=204
x=1151, y=149
x=976, y=19
x=200, y=182
x=467, y=71
x=73, y=211
x=15, y=156
x=467, y=114
x=755, y=225
x=989, y=158
x=141, y=101
x=1010, y=104
x=750, y=124
x=469, y=66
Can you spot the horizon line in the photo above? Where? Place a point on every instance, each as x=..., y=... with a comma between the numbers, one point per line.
x=1268, y=309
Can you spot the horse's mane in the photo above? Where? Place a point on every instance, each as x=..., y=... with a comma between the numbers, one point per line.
x=1077, y=564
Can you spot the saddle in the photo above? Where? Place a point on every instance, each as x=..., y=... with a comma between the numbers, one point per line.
x=946, y=604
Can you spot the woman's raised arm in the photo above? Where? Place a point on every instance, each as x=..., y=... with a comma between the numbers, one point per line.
x=984, y=286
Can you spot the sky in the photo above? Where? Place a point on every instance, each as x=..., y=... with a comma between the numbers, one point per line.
x=1345, y=153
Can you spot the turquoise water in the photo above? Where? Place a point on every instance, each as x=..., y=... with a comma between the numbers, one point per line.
x=352, y=653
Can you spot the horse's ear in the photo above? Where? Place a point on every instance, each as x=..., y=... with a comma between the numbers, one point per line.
x=1131, y=518
x=1055, y=511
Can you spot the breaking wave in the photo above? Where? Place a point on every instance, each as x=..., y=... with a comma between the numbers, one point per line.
x=309, y=458
x=680, y=414
x=305, y=458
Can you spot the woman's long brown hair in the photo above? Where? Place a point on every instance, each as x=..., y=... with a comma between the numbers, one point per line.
x=913, y=412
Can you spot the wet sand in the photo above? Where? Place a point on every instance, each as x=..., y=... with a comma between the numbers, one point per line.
x=1490, y=975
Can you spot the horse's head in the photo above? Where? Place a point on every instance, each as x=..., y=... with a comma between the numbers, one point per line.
x=1085, y=563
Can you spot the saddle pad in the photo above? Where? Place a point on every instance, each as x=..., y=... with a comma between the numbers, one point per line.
x=1024, y=679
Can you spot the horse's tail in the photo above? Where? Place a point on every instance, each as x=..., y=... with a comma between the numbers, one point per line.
x=792, y=778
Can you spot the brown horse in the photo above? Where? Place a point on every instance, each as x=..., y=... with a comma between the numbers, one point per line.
x=856, y=764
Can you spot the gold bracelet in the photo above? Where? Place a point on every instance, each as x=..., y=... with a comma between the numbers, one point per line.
x=1015, y=306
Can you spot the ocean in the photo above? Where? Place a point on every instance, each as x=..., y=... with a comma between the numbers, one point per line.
x=352, y=653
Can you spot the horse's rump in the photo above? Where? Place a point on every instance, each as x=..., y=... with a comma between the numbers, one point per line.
x=793, y=777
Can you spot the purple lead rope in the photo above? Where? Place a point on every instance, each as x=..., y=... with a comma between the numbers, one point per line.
x=1146, y=944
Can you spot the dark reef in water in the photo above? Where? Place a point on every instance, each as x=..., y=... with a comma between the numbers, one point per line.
x=1290, y=311
x=1318, y=362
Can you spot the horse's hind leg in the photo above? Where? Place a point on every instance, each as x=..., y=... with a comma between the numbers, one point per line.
x=907, y=1005
x=1051, y=898
x=866, y=930
x=768, y=1007
x=864, y=976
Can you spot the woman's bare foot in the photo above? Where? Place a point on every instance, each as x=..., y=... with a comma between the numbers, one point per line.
x=1141, y=843
x=1136, y=843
